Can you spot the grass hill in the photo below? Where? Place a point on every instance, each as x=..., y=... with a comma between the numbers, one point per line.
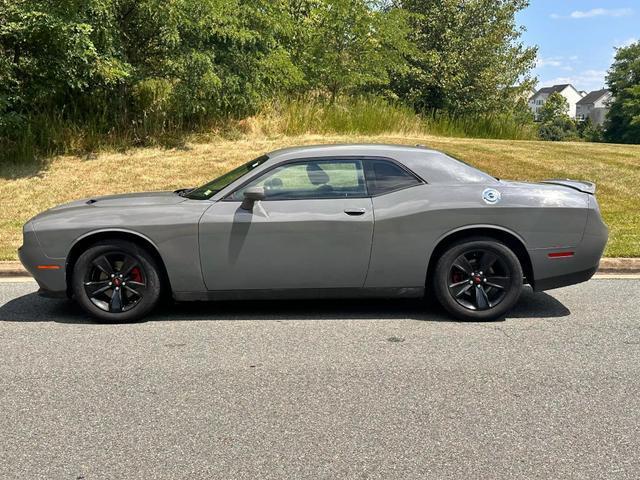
x=28, y=189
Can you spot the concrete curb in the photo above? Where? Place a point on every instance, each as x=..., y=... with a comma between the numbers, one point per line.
x=607, y=265
x=619, y=265
x=12, y=269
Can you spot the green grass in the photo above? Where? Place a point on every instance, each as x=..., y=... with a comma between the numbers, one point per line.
x=28, y=189
x=46, y=134
x=375, y=116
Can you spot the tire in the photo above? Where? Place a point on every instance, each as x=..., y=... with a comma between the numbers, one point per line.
x=478, y=279
x=116, y=281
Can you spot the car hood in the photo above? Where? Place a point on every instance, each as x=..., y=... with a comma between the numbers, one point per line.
x=125, y=200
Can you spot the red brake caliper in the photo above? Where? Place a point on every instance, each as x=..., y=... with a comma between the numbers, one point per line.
x=136, y=275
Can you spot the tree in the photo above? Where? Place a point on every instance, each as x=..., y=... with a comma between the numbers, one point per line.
x=349, y=46
x=47, y=53
x=623, y=121
x=136, y=69
x=121, y=58
x=556, y=106
x=556, y=125
x=470, y=56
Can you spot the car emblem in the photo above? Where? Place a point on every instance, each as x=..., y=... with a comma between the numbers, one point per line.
x=491, y=196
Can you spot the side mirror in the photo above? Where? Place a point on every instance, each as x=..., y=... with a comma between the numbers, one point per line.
x=251, y=196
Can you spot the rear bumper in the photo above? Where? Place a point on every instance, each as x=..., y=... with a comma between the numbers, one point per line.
x=550, y=272
x=565, y=280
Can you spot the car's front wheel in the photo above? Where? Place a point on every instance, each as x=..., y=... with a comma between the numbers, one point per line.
x=116, y=281
x=478, y=279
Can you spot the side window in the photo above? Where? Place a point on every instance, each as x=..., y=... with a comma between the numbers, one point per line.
x=311, y=179
x=384, y=177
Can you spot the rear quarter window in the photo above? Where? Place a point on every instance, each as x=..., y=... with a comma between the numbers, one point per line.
x=385, y=177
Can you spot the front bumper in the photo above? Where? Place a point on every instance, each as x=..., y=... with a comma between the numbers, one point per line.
x=52, y=281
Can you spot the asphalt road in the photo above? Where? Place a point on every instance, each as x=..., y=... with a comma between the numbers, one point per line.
x=388, y=390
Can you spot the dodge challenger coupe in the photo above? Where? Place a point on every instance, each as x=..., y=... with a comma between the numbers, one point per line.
x=322, y=222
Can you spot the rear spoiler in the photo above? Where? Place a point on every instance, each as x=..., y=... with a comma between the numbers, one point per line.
x=581, y=186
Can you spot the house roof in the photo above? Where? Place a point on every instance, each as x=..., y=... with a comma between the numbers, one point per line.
x=554, y=89
x=593, y=97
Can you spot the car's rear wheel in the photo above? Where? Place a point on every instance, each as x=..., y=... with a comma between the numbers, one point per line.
x=478, y=279
x=116, y=281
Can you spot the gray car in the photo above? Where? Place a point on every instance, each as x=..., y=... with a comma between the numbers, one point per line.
x=322, y=222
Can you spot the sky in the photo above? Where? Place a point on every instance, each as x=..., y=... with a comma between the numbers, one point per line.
x=576, y=39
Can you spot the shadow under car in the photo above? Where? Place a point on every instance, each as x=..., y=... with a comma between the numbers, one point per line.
x=33, y=308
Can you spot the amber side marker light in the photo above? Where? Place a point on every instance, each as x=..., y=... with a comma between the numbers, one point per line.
x=48, y=267
x=560, y=254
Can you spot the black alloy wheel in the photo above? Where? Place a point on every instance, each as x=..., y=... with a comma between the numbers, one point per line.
x=478, y=279
x=116, y=281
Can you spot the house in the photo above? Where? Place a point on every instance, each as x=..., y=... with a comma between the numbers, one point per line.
x=520, y=94
x=594, y=106
x=528, y=94
x=567, y=90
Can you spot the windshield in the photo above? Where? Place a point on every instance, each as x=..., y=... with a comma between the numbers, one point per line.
x=208, y=190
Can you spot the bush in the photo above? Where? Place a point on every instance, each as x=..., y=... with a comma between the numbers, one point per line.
x=556, y=124
x=590, y=132
x=559, y=129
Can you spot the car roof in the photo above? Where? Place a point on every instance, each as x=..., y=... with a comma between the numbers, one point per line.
x=431, y=165
x=364, y=149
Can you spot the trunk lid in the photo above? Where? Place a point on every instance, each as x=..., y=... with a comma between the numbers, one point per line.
x=580, y=185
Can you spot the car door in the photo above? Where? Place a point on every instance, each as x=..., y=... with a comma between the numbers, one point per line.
x=312, y=230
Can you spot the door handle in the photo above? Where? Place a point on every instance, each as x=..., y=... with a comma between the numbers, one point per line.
x=355, y=211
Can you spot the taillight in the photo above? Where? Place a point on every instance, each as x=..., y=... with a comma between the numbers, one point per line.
x=560, y=254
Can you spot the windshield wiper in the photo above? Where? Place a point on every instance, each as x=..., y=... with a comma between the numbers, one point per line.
x=183, y=192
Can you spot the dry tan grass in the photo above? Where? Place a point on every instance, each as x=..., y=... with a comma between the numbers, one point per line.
x=615, y=168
